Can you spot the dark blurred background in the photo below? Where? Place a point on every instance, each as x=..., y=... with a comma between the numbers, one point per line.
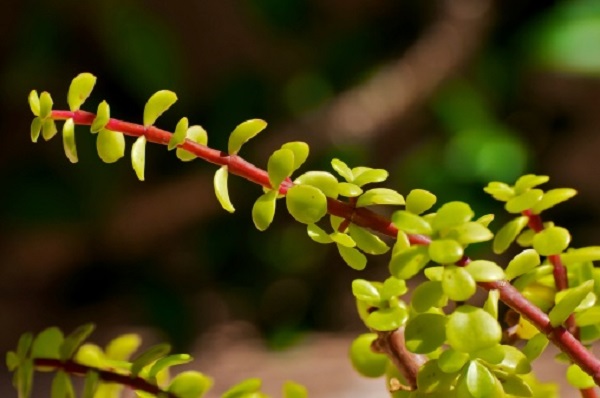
x=446, y=95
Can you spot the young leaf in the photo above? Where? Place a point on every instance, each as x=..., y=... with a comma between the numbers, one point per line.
x=582, y=255
x=500, y=191
x=366, y=241
x=457, y=283
x=90, y=385
x=365, y=291
x=471, y=329
x=147, y=357
x=45, y=105
x=524, y=201
x=407, y=263
x=354, y=258
x=47, y=343
x=324, y=181
x=342, y=239
x=427, y=295
x=138, y=156
x=294, y=390
x=491, y=303
x=471, y=232
x=69, y=140
x=535, y=346
x=243, y=389
x=244, y=132
x=62, y=386
x=221, y=190
x=387, y=319
x=158, y=103
x=379, y=196
x=393, y=287
x=178, y=136
x=485, y=271
x=74, y=340
x=102, y=117
x=110, y=145
x=263, y=210
x=168, y=361
x=552, y=198
x=529, y=181
x=36, y=128
x=349, y=190
x=49, y=129
x=481, y=382
x=24, y=378
x=508, y=233
x=553, y=240
x=122, y=347
x=364, y=360
x=451, y=215
x=317, y=234
x=366, y=175
x=300, y=150
x=80, y=89
x=578, y=378
x=34, y=102
x=342, y=169
x=280, y=166
x=452, y=361
x=191, y=384
x=425, y=333
x=445, y=251
x=196, y=134
x=419, y=201
x=565, y=307
x=411, y=223
x=522, y=263
x=306, y=203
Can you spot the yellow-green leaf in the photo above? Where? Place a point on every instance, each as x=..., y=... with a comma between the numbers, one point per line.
x=102, y=117
x=110, y=145
x=196, y=134
x=552, y=240
x=280, y=166
x=178, y=136
x=379, y=196
x=80, y=89
x=138, y=156
x=552, y=198
x=244, y=132
x=263, y=210
x=45, y=105
x=36, y=128
x=158, y=103
x=34, y=102
x=49, y=129
x=221, y=190
x=300, y=150
x=69, y=140
x=354, y=258
x=419, y=201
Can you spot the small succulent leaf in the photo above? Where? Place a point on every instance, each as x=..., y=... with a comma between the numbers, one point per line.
x=485, y=220
x=243, y=389
x=457, y=283
x=354, y=258
x=470, y=329
x=492, y=355
x=393, y=287
x=24, y=378
x=524, y=201
x=525, y=239
x=263, y=210
x=72, y=342
x=294, y=390
x=565, y=307
x=102, y=117
x=427, y=295
x=349, y=190
x=221, y=190
x=522, y=263
x=508, y=233
x=411, y=223
x=147, y=357
x=365, y=291
x=485, y=271
x=379, y=196
x=45, y=105
x=300, y=150
x=366, y=241
x=471, y=232
x=138, y=157
x=24, y=345
x=12, y=361
x=578, y=378
x=516, y=386
x=552, y=198
x=34, y=102
x=553, y=240
x=435, y=274
x=47, y=343
x=514, y=361
x=481, y=382
x=178, y=136
x=342, y=239
x=387, y=319
x=49, y=129
x=402, y=243
x=451, y=215
x=529, y=181
x=500, y=191
x=80, y=89
x=452, y=361
x=36, y=128
x=190, y=384
x=195, y=134
x=280, y=166
x=158, y=103
x=62, y=386
x=324, y=181
x=491, y=303
x=366, y=175
x=407, y=263
x=90, y=384
x=445, y=251
x=168, y=361
x=122, y=347
x=90, y=355
x=431, y=380
x=582, y=255
x=425, y=333
x=244, y=132
x=306, y=203
x=69, y=146
x=110, y=145
x=317, y=234
x=341, y=168
x=419, y=201
x=588, y=317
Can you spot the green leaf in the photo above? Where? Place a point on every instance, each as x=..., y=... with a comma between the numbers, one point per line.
x=90, y=384
x=535, y=346
x=402, y=243
x=178, y=137
x=168, y=361
x=425, y=333
x=263, y=210
x=280, y=166
x=300, y=150
x=524, y=201
x=431, y=379
x=49, y=129
x=485, y=271
x=306, y=203
x=364, y=360
x=158, y=103
x=379, y=196
x=294, y=390
x=62, y=386
x=522, y=263
x=457, y=283
x=354, y=258
x=102, y=117
x=24, y=345
x=411, y=223
x=451, y=215
x=72, y=342
x=34, y=102
x=342, y=239
x=221, y=190
x=387, y=319
x=195, y=134
x=587, y=317
x=45, y=105
x=515, y=386
x=110, y=145
x=147, y=357
x=452, y=361
x=553, y=240
x=341, y=168
x=36, y=128
x=243, y=389
x=565, y=307
x=508, y=233
x=445, y=251
x=578, y=378
x=407, y=263
x=585, y=254
x=349, y=190
x=471, y=329
x=47, y=343
x=138, y=156
x=317, y=234
x=69, y=146
x=470, y=232
x=365, y=290
x=552, y=198
x=481, y=383
x=366, y=241
x=491, y=303
x=393, y=287
x=80, y=89
x=12, y=360
x=244, y=132
x=367, y=175
x=514, y=361
x=500, y=191
x=24, y=377
x=122, y=347
x=485, y=220
x=322, y=180
x=529, y=181
x=427, y=295
x=419, y=201
x=191, y=384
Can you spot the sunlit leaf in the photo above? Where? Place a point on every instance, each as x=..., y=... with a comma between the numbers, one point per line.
x=317, y=234
x=419, y=201
x=221, y=190
x=80, y=89
x=122, y=347
x=366, y=175
x=36, y=128
x=366, y=241
x=342, y=239
x=491, y=303
x=195, y=134
x=522, y=263
x=529, y=181
x=69, y=146
x=470, y=232
x=324, y=181
x=244, y=132
x=349, y=190
x=243, y=389
x=379, y=196
x=565, y=307
x=535, y=346
x=481, y=382
x=425, y=333
x=584, y=254
x=72, y=342
x=294, y=390
x=471, y=329
x=354, y=258
x=411, y=223
x=457, y=283
x=427, y=295
x=34, y=102
x=387, y=319
x=341, y=168
x=49, y=129
x=306, y=203
x=485, y=271
x=280, y=166
x=191, y=384
x=147, y=357
x=158, y=103
x=168, y=361
x=263, y=210
x=407, y=263
x=110, y=145
x=500, y=191
x=45, y=105
x=445, y=251
x=365, y=290
x=578, y=378
x=552, y=198
x=102, y=117
x=552, y=240
x=524, y=201
x=300, y=150
x=178, y=136
x=451, y=215
x=138, y=156
x=508, y=233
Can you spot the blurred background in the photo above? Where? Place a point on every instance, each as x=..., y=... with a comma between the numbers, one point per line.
x=445, y=94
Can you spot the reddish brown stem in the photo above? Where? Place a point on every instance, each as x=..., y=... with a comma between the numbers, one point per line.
x=74, y=368
x=393, y=345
